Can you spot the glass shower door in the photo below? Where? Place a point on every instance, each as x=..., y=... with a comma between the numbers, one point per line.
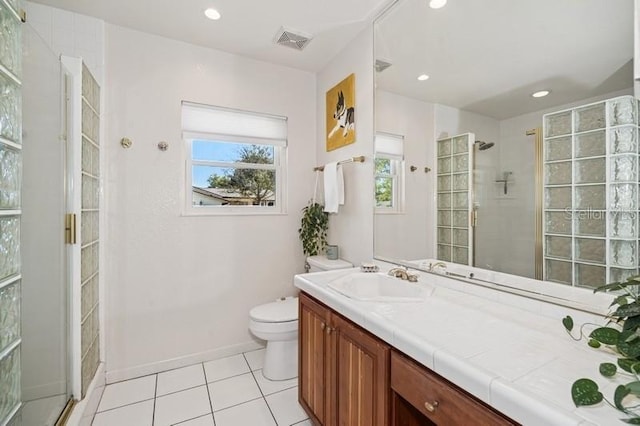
x=454, y=203
x=45, y=284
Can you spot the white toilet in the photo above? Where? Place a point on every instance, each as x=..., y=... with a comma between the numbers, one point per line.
x=277, y=323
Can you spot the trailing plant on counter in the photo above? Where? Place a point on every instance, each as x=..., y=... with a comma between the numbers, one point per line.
x=313, y=228
x=622, y=336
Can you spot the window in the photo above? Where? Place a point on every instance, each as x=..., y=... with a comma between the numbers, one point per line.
x=389, y=172
x=235, y=162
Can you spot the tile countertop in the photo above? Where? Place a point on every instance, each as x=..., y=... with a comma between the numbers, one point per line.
x=509, y=351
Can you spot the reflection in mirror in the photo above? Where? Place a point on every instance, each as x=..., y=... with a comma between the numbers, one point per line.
x=470, y=69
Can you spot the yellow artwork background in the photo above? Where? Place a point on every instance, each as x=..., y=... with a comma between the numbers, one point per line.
x=348, y=90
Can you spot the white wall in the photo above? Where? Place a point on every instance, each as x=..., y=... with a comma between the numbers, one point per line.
x=352, y=228
x=180, y=288
x=410, y=234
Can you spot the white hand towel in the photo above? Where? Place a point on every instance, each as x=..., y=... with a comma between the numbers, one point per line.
x=333, y=187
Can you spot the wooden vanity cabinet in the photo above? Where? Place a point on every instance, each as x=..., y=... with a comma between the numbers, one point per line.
x=348, y=377
x=343, y=370
x=421, y=397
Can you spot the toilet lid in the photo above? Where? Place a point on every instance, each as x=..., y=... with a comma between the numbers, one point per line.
x=280, y=311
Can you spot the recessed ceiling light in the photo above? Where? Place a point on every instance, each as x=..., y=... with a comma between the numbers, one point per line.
x=423, y=77
x=541, y=93
x=213, y=14
x=437, y=4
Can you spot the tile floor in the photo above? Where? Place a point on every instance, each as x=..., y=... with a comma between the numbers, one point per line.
x=226, y=392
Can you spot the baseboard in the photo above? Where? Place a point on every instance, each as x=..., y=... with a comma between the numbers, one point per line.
x=171, y=364
x=85, y=409
x=43, y=391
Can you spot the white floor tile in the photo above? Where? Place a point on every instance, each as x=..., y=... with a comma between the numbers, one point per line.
x=128, y=392
x=233, y=391
x=180, y=379
x=255, y=359
x=200, y=421
x=225, y=367
x=304, y=423
x=285, y=408
x=254, y=413
x=140, y=414
x=272, y=386
x=181, y=406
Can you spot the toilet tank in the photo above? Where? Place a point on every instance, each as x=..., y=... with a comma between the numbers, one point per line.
x=321, y=263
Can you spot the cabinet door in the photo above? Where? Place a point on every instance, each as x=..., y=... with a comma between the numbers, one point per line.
x=313, y=363
x=361, y=372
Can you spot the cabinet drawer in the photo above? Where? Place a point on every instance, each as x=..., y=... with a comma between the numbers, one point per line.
x=438, y=400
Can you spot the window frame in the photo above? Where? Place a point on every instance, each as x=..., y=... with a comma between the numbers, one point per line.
x=396, y=175
x=279, y=167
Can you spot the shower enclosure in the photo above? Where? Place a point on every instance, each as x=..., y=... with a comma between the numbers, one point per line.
x=591, y=193
x=454, y=199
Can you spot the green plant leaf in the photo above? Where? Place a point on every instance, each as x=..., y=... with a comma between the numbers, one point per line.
x=593, y=343
x=610, y=287
x=631, y=323
x=618, y=396
x=629, y=365
x=628, y=310
x=629, y=344
x=568, y=323
x=606, y=335
x=585, y=392
x=607, y=369
x=633, y=387
x=620, y=300
x=632, y=421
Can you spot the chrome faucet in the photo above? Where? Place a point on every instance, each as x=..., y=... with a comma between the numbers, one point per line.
x=433, y=266
x=403, y=274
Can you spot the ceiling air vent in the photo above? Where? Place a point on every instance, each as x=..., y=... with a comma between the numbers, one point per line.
x=292, y=38
x=382, y=65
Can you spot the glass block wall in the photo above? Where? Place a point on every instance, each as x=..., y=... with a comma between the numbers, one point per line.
x=591, y=193
x=89, y=229
x=10, y=208
x=454, y=234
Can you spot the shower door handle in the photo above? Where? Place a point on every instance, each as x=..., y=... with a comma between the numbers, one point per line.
x=474, y=218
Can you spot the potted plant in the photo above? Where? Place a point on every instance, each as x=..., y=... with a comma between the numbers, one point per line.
x=621, y=335
x=313, y=228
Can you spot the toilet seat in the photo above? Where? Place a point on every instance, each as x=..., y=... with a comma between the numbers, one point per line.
x=276, y=312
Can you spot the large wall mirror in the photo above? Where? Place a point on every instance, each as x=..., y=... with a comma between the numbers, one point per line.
x=464, y=170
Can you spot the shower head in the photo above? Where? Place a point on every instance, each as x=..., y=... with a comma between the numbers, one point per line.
x=484, y=145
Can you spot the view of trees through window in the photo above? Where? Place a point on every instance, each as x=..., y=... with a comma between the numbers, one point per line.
x=258, y=185
x=384, y=183
x=227, y=173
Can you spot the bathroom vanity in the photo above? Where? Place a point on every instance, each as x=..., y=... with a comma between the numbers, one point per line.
x=462, y=355
x=350, y=377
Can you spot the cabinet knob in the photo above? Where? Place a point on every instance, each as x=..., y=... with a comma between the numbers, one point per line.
x=329, y=330
x=431, y=407
x=322, y=326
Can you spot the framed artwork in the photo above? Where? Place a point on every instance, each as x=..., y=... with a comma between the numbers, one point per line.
x=341, y=108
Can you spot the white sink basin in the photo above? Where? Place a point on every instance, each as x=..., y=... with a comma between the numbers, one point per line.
x=379, y=287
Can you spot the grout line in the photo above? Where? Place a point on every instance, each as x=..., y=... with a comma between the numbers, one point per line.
x=124, y=405
x=242, y=403
x=300, y=422
x=181, y=390
x=230, y=377
x=204, y=371
x=155, y=397
x=263, y=397
x=192, y=418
